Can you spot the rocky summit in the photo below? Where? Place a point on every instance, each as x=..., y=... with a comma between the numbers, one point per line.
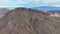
x=28, y=21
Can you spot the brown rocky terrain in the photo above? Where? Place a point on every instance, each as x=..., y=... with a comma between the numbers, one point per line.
x=28, y=21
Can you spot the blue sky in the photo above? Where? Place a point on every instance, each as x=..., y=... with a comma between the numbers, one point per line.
x=28, y=3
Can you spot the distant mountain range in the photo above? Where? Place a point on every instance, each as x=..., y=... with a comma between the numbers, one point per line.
x=3, y=11
x=46, y=8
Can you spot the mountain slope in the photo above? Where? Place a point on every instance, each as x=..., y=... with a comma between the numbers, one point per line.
x=28, y=21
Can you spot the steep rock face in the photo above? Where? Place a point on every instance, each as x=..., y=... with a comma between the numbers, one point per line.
x=27, y=21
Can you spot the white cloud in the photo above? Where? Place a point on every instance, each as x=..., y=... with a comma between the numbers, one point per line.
x=46, y=2
x=4, y=1
x=50, y=2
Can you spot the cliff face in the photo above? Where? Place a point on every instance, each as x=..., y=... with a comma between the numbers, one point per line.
x=28, y=21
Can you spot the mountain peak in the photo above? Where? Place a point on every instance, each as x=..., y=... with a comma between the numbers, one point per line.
x=23, y=21
x=29, y=21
